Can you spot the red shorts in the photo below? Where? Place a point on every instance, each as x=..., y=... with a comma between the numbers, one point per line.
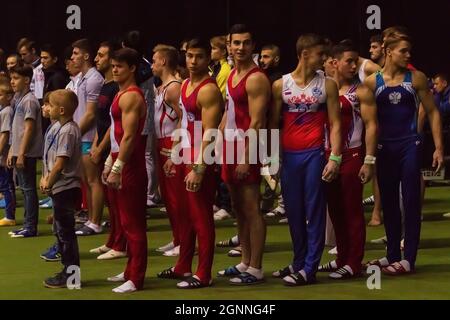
x=229, y=175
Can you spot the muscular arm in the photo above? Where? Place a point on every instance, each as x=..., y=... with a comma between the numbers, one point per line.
x=275, y=110
x=258, y=92
x=334, y=116
x=369, y=117
x=88, y=120
x=173, y=99
x=211, y=103
x=130, y=105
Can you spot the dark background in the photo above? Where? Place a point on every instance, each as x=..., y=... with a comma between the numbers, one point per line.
x=276, y=21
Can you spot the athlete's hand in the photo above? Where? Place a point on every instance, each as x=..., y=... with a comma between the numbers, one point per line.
x=114, y=181
x=95, y=155
x=193, y=181
x=10, y=161
x=105, y=174
x=331, y=171
x=242, y=171
x=438, y=159
x=20, y=162
x=366, y=173
x=169, y=168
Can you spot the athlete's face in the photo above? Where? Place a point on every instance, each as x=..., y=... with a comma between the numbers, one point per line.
x=11, y=62
x=242, y=46
x=27, y=55
x=376, y=51
x=439, y=84
x=217, y=53
x=197, y=60
x=268, y=59
x=400, y=54
x=47, y=60
x=18, y=82
x=102, y=59
x=121, y=71
x=79, y=57
x=158, y=62
x=346, y=65
x=72, y=68
x=316, y=56
x=329, y=66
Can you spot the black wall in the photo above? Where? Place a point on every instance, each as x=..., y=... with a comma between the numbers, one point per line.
x=277, y=21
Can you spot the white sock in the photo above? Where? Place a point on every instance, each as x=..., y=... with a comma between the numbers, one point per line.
x=333, y=264
x=348, y=268
x=127, y=287
x=95, y=227
x=242, y=267
x=303, y=273
x=258, y=273
x=384, y=262
x=87, y=223
x=406, y=265
x=235, y=240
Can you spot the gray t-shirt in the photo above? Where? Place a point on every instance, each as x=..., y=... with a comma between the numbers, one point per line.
x=6, y=116
x=64, y=141
x=27, y=107
x=88, y=90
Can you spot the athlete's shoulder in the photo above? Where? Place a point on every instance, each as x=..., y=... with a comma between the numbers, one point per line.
x=370, y=81
x=131, y=98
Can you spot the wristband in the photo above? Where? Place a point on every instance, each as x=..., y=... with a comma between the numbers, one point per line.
x=335, y=158
x=370, y=160
x=118, y=166
x=199, y=168
x=109, y=162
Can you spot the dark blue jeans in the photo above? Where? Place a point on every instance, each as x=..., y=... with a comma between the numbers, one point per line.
x=27, y=183
x=9, y=192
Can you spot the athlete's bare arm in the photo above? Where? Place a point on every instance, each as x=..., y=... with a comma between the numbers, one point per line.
x=334, y=117
x=421, y=85
x=210, y=101
x=369, y=117
x=277, y=102
x=88, y=119
x=258, y=92
x=132, y=111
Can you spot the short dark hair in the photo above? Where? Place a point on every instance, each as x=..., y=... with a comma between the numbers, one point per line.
x=132, y=39
x=198, y=43
x=28, y=44
x=343, y=46
x=127, y=55
x=111, y=45
x=50, y=49
x=273, y=47
x=378, y=38
x=309, y=40
x=443, y=75
x=85, y=46
x=240, y=28
x=23, y=70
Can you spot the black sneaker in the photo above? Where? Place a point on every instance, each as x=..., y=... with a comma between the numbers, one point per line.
x=57, y=281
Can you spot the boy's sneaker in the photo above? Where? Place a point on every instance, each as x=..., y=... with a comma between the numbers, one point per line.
x=221, y=214
x=166, y=247
x=7, y=222
x=47, y=205
x=42, y=201
x=86, y=231
x=81, y=217
x=25, y=233
x=57, y=281
x=369, y=201
x=52, y=254
x=278, y=211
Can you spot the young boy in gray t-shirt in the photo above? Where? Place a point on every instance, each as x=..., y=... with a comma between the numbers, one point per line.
x=61, y=179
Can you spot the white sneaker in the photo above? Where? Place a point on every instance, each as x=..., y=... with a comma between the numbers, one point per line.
x=166, y=247
x=446, y=215
x=163, y=209
x=127, y=287
x=278, y=211
x=112, y=254
x=283, y=221
x=118, y=278
x=333, y=251
x=175, y=252
x=221, y=214
x=100, y=250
